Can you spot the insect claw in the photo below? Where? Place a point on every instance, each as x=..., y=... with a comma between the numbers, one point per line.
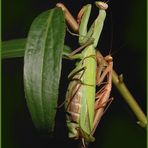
x=83, y=143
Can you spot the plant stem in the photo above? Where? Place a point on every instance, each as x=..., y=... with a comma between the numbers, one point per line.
x=121, y=87
x=127, y=96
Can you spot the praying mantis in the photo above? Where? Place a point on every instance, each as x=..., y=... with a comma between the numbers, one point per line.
x=84, y=106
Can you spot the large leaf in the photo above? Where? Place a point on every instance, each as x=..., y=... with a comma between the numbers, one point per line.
x=16, y=48
x=42, y=67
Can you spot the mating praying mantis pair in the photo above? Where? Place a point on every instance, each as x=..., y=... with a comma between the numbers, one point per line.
x=84, y=106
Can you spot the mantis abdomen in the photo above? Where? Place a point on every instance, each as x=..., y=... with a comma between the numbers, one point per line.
x=81, y=96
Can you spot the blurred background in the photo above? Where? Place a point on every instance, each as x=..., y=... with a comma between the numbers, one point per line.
x=124, y=36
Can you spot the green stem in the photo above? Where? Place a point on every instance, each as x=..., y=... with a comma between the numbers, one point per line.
x=127, y=96
x=16, y=48
x=121, y=87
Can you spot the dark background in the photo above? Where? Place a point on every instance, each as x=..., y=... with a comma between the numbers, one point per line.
x=126, y=20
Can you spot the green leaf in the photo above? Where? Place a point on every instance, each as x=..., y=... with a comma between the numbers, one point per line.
x=16, y=48
x=13, y=48
x=42, y=67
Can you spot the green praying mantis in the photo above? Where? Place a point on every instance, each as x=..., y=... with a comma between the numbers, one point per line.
x=85, y=106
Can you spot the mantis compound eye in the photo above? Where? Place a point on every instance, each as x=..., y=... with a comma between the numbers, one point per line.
x=101, y=5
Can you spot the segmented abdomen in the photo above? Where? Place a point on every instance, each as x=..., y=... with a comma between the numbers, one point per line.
x=73, y=107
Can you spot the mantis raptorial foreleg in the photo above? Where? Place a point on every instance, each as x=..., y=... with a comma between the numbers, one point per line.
x=69, y=18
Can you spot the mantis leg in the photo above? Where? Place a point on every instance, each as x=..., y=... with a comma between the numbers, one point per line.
x=69, y=18
x=104, y=67
x=103, y=105
x=104, y=92
x=100, y=110
x=96, y=28
x=77, y=70
x=76, y=75
x=77, y=85
x=89, y=42
x=102, y=96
